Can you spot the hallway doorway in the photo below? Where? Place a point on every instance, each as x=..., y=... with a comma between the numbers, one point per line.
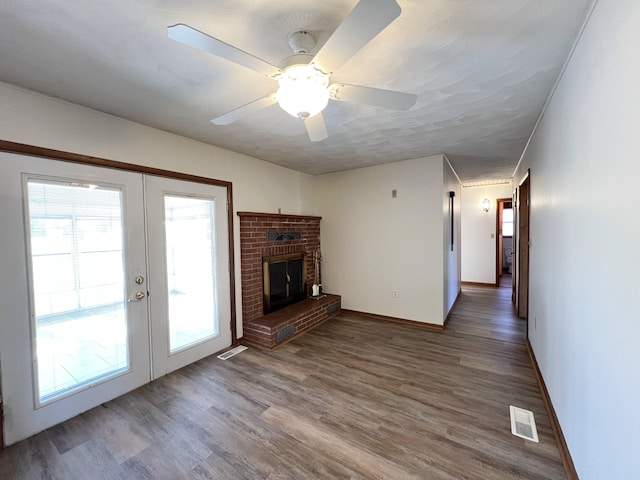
x=504, y=244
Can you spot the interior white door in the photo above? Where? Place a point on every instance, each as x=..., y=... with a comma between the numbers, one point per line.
x=74, y=318
x=188, y=249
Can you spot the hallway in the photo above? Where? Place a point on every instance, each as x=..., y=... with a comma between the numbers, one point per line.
x=488, y=312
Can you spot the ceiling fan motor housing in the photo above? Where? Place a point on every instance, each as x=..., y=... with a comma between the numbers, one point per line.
x=301, y=41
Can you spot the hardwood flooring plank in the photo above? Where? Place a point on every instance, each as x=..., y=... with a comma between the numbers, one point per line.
x=33, y=458
x=180, y=449
x=355, y=398
x=214, y=467
x=151, y=464
x=122, y=439
x=330, y=444
x=91, y=460
x=69, y=434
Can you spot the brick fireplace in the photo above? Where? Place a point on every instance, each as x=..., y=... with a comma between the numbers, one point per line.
x=268, y=235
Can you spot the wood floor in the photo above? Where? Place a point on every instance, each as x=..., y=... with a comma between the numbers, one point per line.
x=355, y=398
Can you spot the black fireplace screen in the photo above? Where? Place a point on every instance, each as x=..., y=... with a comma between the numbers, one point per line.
x=283, y=281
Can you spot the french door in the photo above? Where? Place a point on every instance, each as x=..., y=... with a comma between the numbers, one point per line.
x=109, y=279
x=188, y=273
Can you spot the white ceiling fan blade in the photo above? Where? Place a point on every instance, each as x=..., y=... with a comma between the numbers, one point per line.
x=245, y=110
x=367, y=19
x=316, y=128
x=372, y=96
x=195, y=38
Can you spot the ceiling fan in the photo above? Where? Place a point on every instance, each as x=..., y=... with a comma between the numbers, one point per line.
x=304, y=88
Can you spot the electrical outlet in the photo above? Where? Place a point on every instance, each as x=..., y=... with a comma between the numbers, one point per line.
x=395, y=294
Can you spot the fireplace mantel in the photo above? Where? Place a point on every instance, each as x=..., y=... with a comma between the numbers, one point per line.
x=279, y=216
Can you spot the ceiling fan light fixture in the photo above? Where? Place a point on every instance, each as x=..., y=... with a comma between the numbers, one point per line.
x=304, y=91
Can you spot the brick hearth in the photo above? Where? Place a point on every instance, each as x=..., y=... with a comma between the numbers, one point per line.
x=269, y=331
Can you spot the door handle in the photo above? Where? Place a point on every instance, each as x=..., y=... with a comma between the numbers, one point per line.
x=137, y=297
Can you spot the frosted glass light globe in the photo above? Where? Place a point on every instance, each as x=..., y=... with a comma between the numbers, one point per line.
x=303, y=91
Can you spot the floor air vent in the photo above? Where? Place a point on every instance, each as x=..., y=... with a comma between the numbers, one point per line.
x=523, y=424
x=230, y=353
x=285, y=333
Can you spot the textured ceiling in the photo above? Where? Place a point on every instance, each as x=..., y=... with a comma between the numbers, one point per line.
x=482, y=70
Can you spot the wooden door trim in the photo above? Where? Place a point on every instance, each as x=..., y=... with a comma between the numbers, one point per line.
x=516, y=238
x=525, y=242
x=35, y=151
x=1, y=425
x=499, y=208
x=498, y=234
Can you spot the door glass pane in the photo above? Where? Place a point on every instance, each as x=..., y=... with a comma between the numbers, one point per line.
x=507, y=222
x=78, y=284
x=190, y=250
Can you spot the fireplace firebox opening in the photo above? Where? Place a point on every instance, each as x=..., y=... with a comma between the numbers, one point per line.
x=283, y=280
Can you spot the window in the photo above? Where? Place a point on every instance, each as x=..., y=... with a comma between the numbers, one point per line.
x=77, y=258
x=507, y=222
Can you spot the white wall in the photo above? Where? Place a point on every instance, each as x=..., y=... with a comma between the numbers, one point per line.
x=373, y=244
x=584, y=299
x=30, y=118
x=478, y=245
x=452, y=268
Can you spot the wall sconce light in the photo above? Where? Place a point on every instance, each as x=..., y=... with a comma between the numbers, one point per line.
x=486, y=205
